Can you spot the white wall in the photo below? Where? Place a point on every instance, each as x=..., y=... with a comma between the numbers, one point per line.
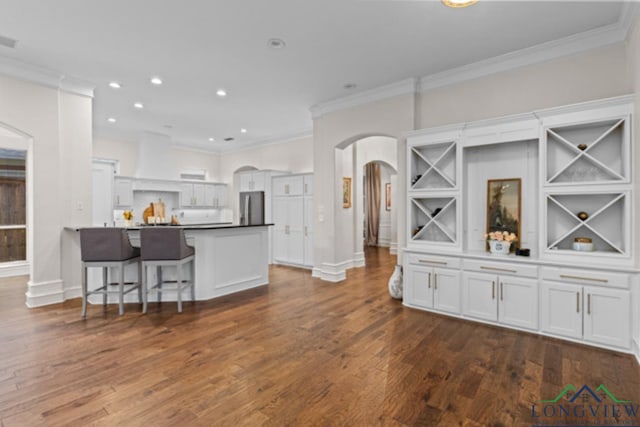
x=59, y=125
x=125, y=152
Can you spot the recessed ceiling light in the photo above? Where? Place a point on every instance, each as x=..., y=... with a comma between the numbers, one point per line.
x=211, y=139
x=168, y=126
x=221, y=93
x=276, y=43
x=350, y=86
x=111, y=120
x=8, y=42
x=156, y=81
x=228, y=139
x=243, y=130
x=115, y=85
x=457, y=4
x=138, y=105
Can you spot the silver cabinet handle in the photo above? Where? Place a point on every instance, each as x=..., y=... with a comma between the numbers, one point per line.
x=507, y=270
x=306, y=188
x=118, y=199
x=429, y=282
x=286, y=189
x=435, y=281
x=593, y=279
x=577, y=302
x=430, y=261
x=493, y=289
x=588, y=303
x=501, y=291
x=305, y=231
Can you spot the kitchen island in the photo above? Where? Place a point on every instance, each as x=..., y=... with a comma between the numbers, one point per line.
x=228, y=258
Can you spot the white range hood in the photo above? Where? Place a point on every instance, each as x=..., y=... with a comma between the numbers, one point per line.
x=155, y=157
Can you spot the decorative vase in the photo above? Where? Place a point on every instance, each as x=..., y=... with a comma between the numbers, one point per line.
x=499, y=247
x=128, y=223
x=395, y=283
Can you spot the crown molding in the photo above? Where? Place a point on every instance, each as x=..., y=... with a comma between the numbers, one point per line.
x=274, y=140
x=403, y=87
x=577, y=43
x=21, y=70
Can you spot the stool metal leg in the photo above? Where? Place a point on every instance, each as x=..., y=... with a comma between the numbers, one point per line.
x=84, y=291
x=105, y=284
x=179, y=281
x=193, y=280
x=143, y=282
x=121, y=291
x=139, y=282
x=159, y=270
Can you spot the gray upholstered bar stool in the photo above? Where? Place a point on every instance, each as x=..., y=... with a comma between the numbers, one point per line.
x=107, y=248
x=165, y=247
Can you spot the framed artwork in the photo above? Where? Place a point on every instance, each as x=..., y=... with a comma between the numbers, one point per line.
x=387, y=196
x=503, y=206
x=346, y=192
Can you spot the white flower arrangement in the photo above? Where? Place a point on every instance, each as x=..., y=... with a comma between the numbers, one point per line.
x=501, y=236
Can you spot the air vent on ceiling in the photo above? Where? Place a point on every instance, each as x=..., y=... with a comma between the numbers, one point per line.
x=229, y=139
x=8, y=42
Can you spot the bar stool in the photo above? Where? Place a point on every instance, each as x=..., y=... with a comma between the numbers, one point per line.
x=166, y=247
x=108, y=248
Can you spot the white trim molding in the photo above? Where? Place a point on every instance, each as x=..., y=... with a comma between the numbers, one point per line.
x=576, y=43
x=358, y=260
x=337, y=272
x=393, y=248
x=12, y=269
x=45, y=77
x=403, y=87
x=44, y=293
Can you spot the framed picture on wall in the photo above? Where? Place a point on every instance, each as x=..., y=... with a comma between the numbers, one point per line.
x=346, y=192
x=387, y=196
x=503, y=206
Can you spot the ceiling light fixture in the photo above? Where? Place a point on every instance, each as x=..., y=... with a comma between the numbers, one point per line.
x=243, y=130
x=276, y=43
x=156, y=81
x=111, y=120
x=458, y=4
x=221, y=93
x=211, y=139
x=350, y=86
x=138, y=105
x=8, y=42
x=228, y=139
x=115, y=85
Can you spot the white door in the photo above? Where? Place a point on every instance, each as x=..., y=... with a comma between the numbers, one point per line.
x=199, y=195
x=220, y=195
x=419, y=288
x=102, y=193
x=607, y=316
x=257, y=181
x=518, y=302
x=446, y=290
x=308, y=231
x=123, y=190
x=561, y=309
x=210, y=195
x=295, y=250
x=480, y=296
x=186, y=195
x=280, y=237
x=245, y=181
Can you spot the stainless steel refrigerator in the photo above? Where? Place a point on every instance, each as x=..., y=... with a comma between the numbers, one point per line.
x=251, y=207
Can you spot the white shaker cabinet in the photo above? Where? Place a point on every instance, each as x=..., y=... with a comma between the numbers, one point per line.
x=123, y=192
x=215, y=196
x=437, y=288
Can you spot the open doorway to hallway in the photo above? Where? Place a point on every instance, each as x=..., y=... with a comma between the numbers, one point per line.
x=378, y=181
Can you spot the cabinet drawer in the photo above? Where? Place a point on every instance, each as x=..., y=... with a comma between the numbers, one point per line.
x=429, y=260
x=586, y=277
x=501, y=268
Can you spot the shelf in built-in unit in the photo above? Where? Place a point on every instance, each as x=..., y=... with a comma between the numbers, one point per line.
x=588, y=153
x=434, y=219
x=605, y=223
x=433, y=166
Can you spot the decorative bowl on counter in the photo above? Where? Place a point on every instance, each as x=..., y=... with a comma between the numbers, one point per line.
x=583, y=244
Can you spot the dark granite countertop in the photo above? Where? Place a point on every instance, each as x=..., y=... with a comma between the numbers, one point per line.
x=207, y=226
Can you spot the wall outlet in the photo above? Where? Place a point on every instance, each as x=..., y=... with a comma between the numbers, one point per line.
x=79, y=206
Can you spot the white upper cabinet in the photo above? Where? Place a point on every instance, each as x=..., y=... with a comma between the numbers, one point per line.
x=308, y=185
x=215, y=195
x=123, y=192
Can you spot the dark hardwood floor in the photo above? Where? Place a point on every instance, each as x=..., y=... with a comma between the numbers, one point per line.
x=298, y=352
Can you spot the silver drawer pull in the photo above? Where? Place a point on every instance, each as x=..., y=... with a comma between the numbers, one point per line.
x=482, y=267
x=593, y=279
x=430, y=261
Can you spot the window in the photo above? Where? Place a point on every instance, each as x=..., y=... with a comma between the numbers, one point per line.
x=13, y=218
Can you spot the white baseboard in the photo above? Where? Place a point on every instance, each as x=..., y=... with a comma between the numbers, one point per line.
x=635, y=347
x=73, y=293
x=358, y=260
x=12, y=269
x=393, y=248
x=332, y=272
x=44, y=293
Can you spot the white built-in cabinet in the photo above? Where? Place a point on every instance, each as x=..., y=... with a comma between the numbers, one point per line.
x=570, y=160
x=252, y=181
x=292, y=230
x=123, y=192
x=199, y=195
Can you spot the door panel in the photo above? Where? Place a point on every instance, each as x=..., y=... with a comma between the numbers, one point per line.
x=419, y=286
x=607, y=316
x=479, y=296
x=561, y=309
x=518, y=302
x=446, y=294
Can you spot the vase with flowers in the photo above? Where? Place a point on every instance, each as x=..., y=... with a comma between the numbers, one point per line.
x=500, y=241
x=128, y=218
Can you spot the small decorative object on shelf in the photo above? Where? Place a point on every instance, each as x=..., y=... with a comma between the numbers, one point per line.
x=582, y=146
x=416, y=179
x=583, y=215
x=417, y=230
x=500, y=241
x=436, y=211
x=128, y=218
x=583, y=244
x=523, y=252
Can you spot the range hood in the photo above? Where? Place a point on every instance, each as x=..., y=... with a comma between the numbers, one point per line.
x=155, y=157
